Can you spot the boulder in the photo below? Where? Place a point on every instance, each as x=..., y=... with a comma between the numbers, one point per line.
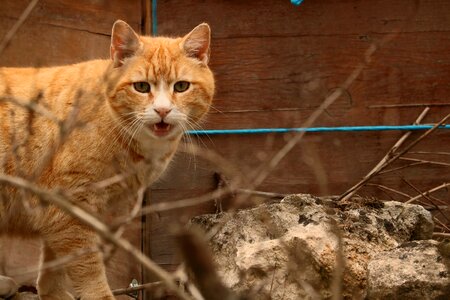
x=415, y=270
x=306, y=247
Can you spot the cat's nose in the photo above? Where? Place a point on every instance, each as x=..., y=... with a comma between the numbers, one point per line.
x=162, y=112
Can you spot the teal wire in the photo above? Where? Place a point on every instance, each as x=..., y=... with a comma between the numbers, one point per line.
x=285, y=130
x=154, y=18
x=296, y=2
x=313, y=129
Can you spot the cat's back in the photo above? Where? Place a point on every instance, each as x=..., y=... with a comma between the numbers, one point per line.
x=48, y=94
x=26, y=84
x=33, y=102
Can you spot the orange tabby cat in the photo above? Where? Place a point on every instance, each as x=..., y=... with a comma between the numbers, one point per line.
x=125, y=116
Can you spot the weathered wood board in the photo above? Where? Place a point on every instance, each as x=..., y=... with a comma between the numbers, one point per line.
x=275, y=63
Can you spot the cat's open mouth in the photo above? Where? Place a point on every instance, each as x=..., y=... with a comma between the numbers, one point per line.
x=161, y=128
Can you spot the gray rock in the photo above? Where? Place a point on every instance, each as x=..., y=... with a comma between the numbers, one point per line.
x=288, y=250
x=415, y=270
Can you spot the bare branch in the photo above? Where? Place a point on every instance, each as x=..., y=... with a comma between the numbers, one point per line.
x=32, y=106
x=426, y=197
x=383, y=187
x=423, y=161
x=23, y=17
x=261, y=194
x=54, y=264
x=441, y=234
x=389, y=159
x=61, y=202
x=442, y=186
x=262, y=174
x=381, y=164
x=401, y=168
x=145, y=286
x=408, y=105
x=430, y=152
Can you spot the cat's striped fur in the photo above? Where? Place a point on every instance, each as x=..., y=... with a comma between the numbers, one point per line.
x=127, y=116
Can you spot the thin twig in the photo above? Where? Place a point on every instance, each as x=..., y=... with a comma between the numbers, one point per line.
x=429, y=152
x=401, y=168
x=55, y=263
x=431, y=208
x=145, y=286
x=437, y=199
x=383, y=162
x=408, y=105
x=395, y=157
x=441, y=234
x=199, y=261
x=337, y=284
x=31, y=106
x=86, y=218
x=426, y=197
x=265, y=170
x=101, y=184
x=134, y=212
x=383, y=187
x=261, y=194
x=442, y=186
x=165, y=206
x=436, y=220
x=430, y=162
x=23, y=17
x=262, y=174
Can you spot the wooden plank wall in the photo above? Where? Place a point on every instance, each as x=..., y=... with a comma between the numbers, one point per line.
x=275, y=63
x=63, y=32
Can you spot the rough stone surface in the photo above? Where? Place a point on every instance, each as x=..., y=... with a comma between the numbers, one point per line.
x=415, y=270
x=288, y=250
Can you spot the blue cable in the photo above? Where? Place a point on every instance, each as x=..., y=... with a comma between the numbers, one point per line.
x=296, y=2
x=154, y=18
x=284, y=130
x=312, y=129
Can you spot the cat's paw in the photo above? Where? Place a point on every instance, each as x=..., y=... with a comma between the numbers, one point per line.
x=25, y=296
x=8, y=286
x=60, y=296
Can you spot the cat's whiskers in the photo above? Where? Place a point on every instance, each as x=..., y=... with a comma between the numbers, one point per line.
x=119, y=129
x=216, y=109
x=195, y=125
x=188, y=144
x=135, y=126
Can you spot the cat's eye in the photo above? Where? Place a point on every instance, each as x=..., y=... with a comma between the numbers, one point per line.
x=142, y=86
x=181, y=86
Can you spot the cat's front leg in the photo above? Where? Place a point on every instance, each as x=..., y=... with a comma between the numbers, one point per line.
x=51, y=283
x=86, y=272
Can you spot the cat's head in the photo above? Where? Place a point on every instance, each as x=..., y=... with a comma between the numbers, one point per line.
x=165, y=85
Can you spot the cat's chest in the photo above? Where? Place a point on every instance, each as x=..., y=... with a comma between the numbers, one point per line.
x=153, y=162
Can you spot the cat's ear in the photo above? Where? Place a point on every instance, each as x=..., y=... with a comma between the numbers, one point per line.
x=124, y=42
x=196, y=43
